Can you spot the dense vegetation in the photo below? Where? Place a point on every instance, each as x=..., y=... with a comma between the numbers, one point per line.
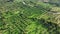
x=26, y=18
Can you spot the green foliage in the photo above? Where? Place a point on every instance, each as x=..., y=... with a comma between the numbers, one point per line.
x=22, y=18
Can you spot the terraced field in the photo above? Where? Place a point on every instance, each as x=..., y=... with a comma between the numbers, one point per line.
x=26, y=18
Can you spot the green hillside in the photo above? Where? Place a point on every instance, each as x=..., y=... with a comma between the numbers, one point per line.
x=26, y=17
